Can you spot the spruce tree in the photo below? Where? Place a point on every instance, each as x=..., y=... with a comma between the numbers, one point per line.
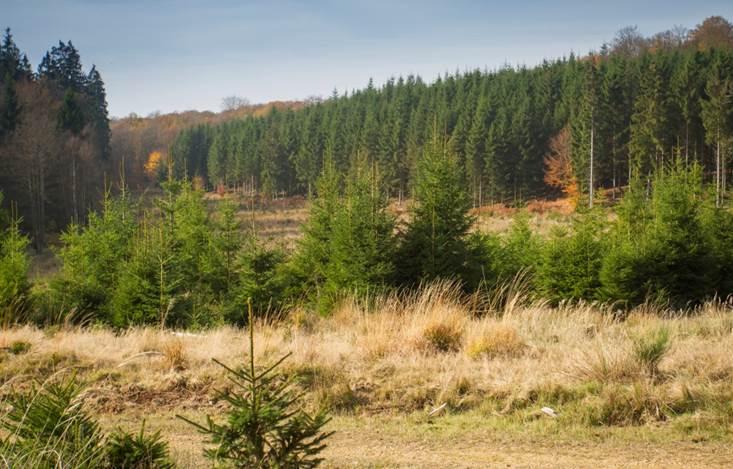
x=314, y=249
x=475, y=148
x=659, y=248
x=99, y=115
x=14, y=264
x=12, y=62
x=435, y=244
x=571, y=260
x=716, y=117
x=92, y=257
x=647, y=144
x=583, y=130
x=71, y=117
x=362, y=241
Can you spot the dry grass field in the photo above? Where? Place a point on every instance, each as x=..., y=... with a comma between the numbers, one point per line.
x=280, y=221
x=654, y=388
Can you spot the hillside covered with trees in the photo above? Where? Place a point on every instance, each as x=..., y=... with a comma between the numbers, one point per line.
x=141, y=144
x=568, y=124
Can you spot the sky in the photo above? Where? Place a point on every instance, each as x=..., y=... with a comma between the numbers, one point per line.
x=166, y=55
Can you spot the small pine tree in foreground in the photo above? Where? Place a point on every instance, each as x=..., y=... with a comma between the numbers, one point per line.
x=265, y=426
x=138, y=451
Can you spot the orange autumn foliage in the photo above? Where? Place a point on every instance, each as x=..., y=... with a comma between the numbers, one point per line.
x=559, y=167
x=153, y=163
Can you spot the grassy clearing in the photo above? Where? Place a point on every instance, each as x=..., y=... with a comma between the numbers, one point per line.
x=280, y=221
x=653, y=377
x=471, y=439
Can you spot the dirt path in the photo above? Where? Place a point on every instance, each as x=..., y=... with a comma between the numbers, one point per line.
x=471, y=441
x=365, y=449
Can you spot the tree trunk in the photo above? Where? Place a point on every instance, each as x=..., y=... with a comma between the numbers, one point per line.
x=717, y=171
x=590, y=178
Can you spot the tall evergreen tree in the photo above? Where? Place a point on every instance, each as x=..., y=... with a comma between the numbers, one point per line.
x=12, y=62
x=647, y=143
x=584, y=133
x=435, y=243
x=10, y=111
x=362, y=244
x=99, y=116
x=71, y=117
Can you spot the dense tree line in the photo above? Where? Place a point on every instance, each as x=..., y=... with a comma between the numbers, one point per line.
x=626, y=110
x=178, y=264
x=54, y=136
x=140, y=145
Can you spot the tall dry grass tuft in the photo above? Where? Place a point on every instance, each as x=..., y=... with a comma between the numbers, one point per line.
x=174, y=354
x=491, y=338
x=507, y=297
x=401, y=352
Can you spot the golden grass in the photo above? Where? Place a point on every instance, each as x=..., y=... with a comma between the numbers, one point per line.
x=493, y=339
x=414, y=352
x=281, y=221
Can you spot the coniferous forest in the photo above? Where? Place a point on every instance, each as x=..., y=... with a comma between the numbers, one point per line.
x=628, y=109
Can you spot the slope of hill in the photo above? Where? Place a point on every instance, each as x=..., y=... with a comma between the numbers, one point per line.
x=570, y=124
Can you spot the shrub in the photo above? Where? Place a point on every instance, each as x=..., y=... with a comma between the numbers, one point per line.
x=13, y=269
x=622, y=405
x=442, y=337
x=659, y=250
x=139, y=451
x=570, y=262
x=440, y=329
x=265, y=426
x=606, y=364
x=19, y=347
x=174, y=354
x=651, y=348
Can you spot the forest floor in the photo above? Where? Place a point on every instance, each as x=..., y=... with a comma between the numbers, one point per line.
x=383, y=368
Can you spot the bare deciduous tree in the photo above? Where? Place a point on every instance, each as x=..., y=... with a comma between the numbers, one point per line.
x=233, y=102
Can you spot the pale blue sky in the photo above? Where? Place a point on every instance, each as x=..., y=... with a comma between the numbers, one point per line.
x=165, y=55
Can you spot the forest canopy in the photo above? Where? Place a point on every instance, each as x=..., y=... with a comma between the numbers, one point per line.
x=627, y=108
